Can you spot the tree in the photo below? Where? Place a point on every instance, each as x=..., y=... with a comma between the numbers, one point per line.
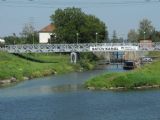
x=12, y=39
x=70, y=21
x=106, y=37
x=29, y=35
x=145, y=29
x=121, y=40
x=155, y=36
x=132, y=36
x=114, y=37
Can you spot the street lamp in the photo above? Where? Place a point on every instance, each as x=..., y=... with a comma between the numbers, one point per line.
x=14, y=38
x=96, y=37
x=77, y=37
x=144, y=34
x=33, y=37
x=55, y=36
x=49, y=40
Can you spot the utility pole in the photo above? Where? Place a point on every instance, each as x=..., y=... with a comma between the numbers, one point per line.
x=77, y=36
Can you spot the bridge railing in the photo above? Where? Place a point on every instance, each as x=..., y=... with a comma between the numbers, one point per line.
x=47, y=48
x=82, y=47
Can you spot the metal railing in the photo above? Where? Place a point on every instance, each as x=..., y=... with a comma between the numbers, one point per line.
x=83, y=47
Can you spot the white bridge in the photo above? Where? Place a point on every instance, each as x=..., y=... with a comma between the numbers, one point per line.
x=83, y=47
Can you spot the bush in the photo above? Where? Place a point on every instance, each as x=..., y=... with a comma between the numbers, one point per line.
x=146, y=76
x=87, y=60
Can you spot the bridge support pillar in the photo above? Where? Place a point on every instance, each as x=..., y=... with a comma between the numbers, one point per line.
x=73, y=57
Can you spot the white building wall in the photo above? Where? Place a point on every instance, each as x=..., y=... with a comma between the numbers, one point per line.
x=2, y=41
x=44, y=37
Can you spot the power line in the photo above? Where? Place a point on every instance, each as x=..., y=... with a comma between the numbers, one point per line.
x=51, y=4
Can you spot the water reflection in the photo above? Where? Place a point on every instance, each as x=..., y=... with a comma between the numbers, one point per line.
x=61, y=88
x=56, y=84
x=115, y=67
x=62, y=97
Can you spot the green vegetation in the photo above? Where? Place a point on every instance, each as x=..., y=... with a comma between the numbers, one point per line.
x=146, y=31
x=73, y=25
x=88, y=60
x=41, y=58
x=35, y=65
x=155, y=54
x=13, y=66
x=27, y=36
x=148, y=75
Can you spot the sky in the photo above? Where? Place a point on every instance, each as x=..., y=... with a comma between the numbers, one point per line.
x=119, y=15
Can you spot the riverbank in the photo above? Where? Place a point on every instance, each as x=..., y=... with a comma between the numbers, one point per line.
x=50, y=97
x=14, y=68
x=147, y=76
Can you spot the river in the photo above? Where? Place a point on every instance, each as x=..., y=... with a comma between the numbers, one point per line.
x=63, y=97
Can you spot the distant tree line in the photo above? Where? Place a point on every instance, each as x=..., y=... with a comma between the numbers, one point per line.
x=27, y=36
x=115, y=38
x=146, y=31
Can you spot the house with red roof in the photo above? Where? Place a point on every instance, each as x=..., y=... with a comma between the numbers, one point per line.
x=46, y=34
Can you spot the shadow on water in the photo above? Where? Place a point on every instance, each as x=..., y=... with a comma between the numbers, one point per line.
x=113, y=67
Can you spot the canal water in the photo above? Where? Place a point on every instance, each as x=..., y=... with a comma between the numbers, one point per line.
x=63, y=97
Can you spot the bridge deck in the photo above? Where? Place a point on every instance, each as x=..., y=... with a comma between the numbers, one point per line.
x=85, y=47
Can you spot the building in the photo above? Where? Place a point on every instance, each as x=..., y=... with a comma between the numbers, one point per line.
x=2, y=40
x=46, y=33
x=146, y=44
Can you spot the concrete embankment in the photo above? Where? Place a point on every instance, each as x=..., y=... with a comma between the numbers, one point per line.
x=120, y=56
x=124, y=88
x=11, y=80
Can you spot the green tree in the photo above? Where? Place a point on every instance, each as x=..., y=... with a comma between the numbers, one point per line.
x=145, y=29
x=121, y=40
x=73, y=25
x=114, y=37
x=132, y=36
x=29, y=35
x=155, y=36
x=12, y=39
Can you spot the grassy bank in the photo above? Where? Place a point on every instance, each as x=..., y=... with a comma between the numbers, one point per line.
x=17, y=67
x=87, y=60
x=148, y=75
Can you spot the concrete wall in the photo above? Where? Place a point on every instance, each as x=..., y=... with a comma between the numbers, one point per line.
x=103, y=55
x=108, y=56
x=133, y=55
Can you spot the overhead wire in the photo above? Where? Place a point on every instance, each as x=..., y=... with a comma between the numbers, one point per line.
x=51, y=4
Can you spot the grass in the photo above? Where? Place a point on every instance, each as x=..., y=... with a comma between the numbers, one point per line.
x=147, y=75
x=46, y=57
x=154, y=54
x=13, y=66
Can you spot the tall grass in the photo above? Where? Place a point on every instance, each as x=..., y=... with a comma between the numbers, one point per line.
x=148, y=75
x=13, y=66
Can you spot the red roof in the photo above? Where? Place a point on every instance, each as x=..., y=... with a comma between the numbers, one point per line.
x=48, y=28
